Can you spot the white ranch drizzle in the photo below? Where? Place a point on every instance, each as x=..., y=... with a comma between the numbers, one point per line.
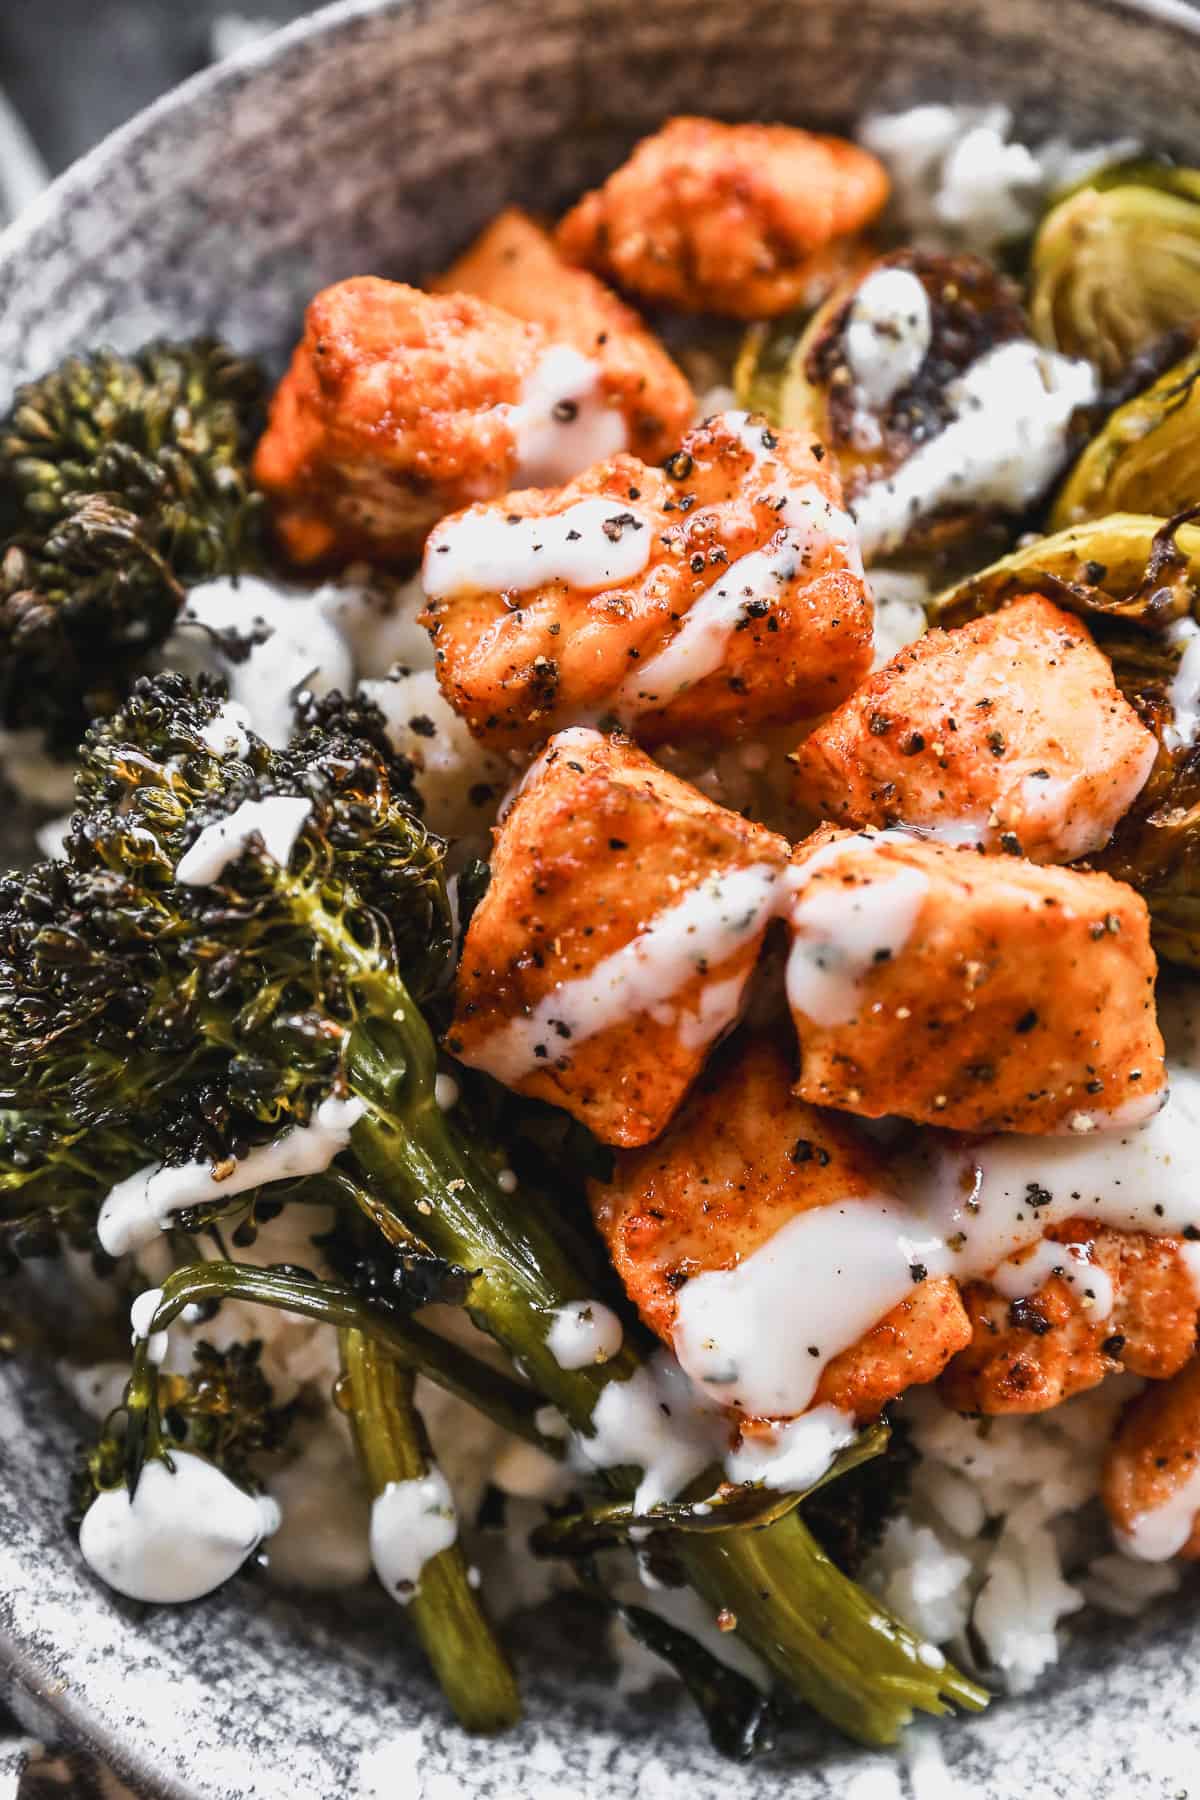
x=141, y=1317
x=290, y=642
x=276, y=822
x=411, y=1522
x=1005, y=442
x=226, y=734
x=839, y=934
x=142, y=1205
x=794, y=1455
x=1161, y=1531
x=591, y=544
x=563, y=423
x=807, y=521
x=759, y=1335
x=186, y=1530
x=584, y=1332
x=655, y=1422
x=1184, y=692
x=1017, y=1279
x=710, y=924
x=887, y=335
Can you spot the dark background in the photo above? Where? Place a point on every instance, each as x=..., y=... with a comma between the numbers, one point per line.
x=76, y=68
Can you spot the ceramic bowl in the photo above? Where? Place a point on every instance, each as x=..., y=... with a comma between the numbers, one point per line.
x=378, y=138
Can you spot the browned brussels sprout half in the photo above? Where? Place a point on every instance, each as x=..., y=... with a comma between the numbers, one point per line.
x=873, y=377
x=1117, y=262
x=1146, y=457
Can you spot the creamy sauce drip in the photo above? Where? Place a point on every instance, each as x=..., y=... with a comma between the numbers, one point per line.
x=1005, y=442
x=655, y=1422
x=1185, y=688
x=275, y=822
x=808, y=523
x=186, y=1530
x=290, y=645
x=583, y=1333
x=887, y=335
x=563, y=422
x=411, y=1522
x=591, y=544
x=795, y=1455
x=138, y=1208
x=1162, y=1531
x=760, y=1335
x=1050, y=1260
x=840, y=934
x=709, y=925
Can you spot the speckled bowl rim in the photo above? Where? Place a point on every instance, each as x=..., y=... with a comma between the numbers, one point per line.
x=46, y=1707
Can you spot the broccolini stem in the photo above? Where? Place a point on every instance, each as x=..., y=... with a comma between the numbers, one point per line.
x=829, y=1642
x=412, y=1346
x=469, y=1663
x=821, y=1634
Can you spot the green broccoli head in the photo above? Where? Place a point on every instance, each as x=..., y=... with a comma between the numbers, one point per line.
x=223, y=1409
x=122, y=481
x=147, y=1018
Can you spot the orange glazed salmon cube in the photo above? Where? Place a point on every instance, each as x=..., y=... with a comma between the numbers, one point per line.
x=706, y=599
x=612, y=948
x=982, y=993
x=741, y=1162
x=1008, y=733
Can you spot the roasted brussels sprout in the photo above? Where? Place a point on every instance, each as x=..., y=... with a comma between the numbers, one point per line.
x=923, y=380
x=1145, y=458
x=1117, y=262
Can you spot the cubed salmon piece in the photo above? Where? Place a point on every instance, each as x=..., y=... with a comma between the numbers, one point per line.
x=982, y=993
x=1008, y=733
x=1151, y=1480
x=514, y=264
x=397, y=408
x=612, y=948
x=718, y=595
x=743, y=220
x=741, y=1162
x=1112, y=1300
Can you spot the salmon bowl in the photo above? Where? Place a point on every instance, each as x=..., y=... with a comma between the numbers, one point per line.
x=619, y=980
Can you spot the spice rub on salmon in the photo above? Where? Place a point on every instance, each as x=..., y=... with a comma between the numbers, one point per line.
x=401, y=406
x=605, y=351
x=1084, y=1302
x=716, y=595
x=741, y=1162
x=1008, y=733
x=745, y=220
x=974, y=992
x=612, y=948
x=1151, y=1480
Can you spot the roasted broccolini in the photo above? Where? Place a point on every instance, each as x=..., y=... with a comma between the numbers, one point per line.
x=122, y=481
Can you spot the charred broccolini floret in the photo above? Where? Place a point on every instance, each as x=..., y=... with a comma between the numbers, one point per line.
x=196, y=1019
x=122, y=481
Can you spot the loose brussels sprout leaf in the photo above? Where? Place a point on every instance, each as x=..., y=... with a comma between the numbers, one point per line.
x=1156, y=849
x=1129, y=576
x=1116, y=263
x=1146, y=458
